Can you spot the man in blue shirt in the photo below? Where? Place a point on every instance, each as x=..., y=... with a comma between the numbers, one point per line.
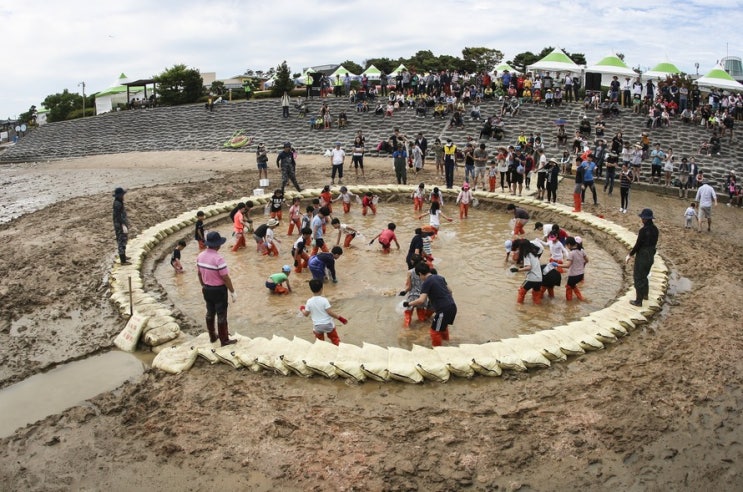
x=588, y=167
x=434, y=287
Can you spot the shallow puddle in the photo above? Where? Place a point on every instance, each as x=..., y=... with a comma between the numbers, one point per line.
x=469, y=254
x=63, y=387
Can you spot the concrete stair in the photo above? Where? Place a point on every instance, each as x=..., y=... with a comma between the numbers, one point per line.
x=192, y=127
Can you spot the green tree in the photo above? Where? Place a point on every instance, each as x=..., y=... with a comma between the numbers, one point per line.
x=29, y=117
x=579, y=58
x=179, y=85
x=384, y=64
x=217, y=88
x=353, y=67
x=422, y=61
x=283, y=80
x=522, y=60
x=62, y=105
x=482, y=58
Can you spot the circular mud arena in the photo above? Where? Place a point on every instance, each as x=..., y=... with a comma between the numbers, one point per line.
x=658, y=409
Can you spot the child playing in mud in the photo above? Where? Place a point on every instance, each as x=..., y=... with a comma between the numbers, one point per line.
x=318, y=307
x=198, y=234
x=689, y=215
x=295, y=217
x=434, y=217
x=369, y=203
x=175, y=258
x=300, y=248
x=275, y=283
x=418, y=197
x=342, y=229
x=386, y=237
x=277, y=201
x=345, y=197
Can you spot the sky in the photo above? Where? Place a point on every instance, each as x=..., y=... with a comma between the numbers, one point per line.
x=53, y=46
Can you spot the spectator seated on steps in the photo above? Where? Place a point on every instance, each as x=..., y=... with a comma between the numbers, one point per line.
x=562, y=135
x=379, y=110
x=585, y=127
x=456, y=121
x=439, y=111
x=686, y=116
x=342, y=119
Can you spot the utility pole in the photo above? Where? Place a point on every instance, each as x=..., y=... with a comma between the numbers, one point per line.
x=83, y=86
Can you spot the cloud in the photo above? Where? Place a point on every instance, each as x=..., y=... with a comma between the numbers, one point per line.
x=56, y=45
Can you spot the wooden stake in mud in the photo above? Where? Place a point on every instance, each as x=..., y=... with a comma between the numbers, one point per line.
x=131, y=298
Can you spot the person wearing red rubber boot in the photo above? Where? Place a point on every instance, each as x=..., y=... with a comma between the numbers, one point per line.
x=576, y=263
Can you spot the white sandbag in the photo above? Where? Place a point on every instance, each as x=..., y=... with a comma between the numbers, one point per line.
x=481, y=359
x=205, y=348
x=176, y=359
x=154, y=310
x=247, y=353
x=270, y=357
x=567, y=344
x=531, y=356
x=181, y=339
x=319, y=359
x=507, y=358
x=158, y=321
x=347, y=362
x=161, y=334
x=601, y=330
x=293, y=357
x=402, y=366
x=580, y=335
x=456, y=361
x=129, y=336
x=609, y=322
x=547, y=346
x=374, y=362
x=429, y=364
x=632, y=313
x=227, y=355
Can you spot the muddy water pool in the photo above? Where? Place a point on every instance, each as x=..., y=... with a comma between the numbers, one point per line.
x=469, y=254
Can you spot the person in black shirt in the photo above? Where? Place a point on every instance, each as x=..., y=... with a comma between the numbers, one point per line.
x=644, y=253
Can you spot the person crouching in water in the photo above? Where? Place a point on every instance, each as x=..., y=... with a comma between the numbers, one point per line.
x=526, y=254
x=435, y=288
x=413, y=285
x=275, y=282
x=576, y=263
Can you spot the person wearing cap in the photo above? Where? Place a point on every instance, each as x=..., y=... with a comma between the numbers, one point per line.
x=215, y=281
x=612, y=161
x=464, y=199
x=121, y=224
x=644, y=253
x=275, y=283
x=337, y=158
x=285, y=161
x=706, y=196
x=450, y=152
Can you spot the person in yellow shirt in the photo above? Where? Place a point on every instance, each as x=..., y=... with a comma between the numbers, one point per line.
x=450, y=152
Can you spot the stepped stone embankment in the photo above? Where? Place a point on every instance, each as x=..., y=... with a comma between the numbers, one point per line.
x=192, y=127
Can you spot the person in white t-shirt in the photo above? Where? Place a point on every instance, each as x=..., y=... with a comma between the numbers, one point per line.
x=337, y=158
x=706, y=196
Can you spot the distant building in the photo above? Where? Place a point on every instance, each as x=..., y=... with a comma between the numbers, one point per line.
x=733, y=66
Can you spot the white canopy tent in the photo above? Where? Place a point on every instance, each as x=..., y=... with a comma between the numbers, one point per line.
x=505, y=66
x=661, y=71
x=372, y=73
x=107, y=99
x=556, y=61
x=609, y=67
x=718, y=78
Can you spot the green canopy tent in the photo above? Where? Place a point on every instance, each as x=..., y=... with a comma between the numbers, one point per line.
x=116, y=94
x=718, y=78
x=556, y=61
x=372, y=73
x=662, y=70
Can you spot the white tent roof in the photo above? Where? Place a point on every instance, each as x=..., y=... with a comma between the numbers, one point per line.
x=341, y=70
x=557, y=61
x=372, y=72
x=398, y=70
x=505, y=66
x=720, y=79
x=612, y=65
x=661, y=70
